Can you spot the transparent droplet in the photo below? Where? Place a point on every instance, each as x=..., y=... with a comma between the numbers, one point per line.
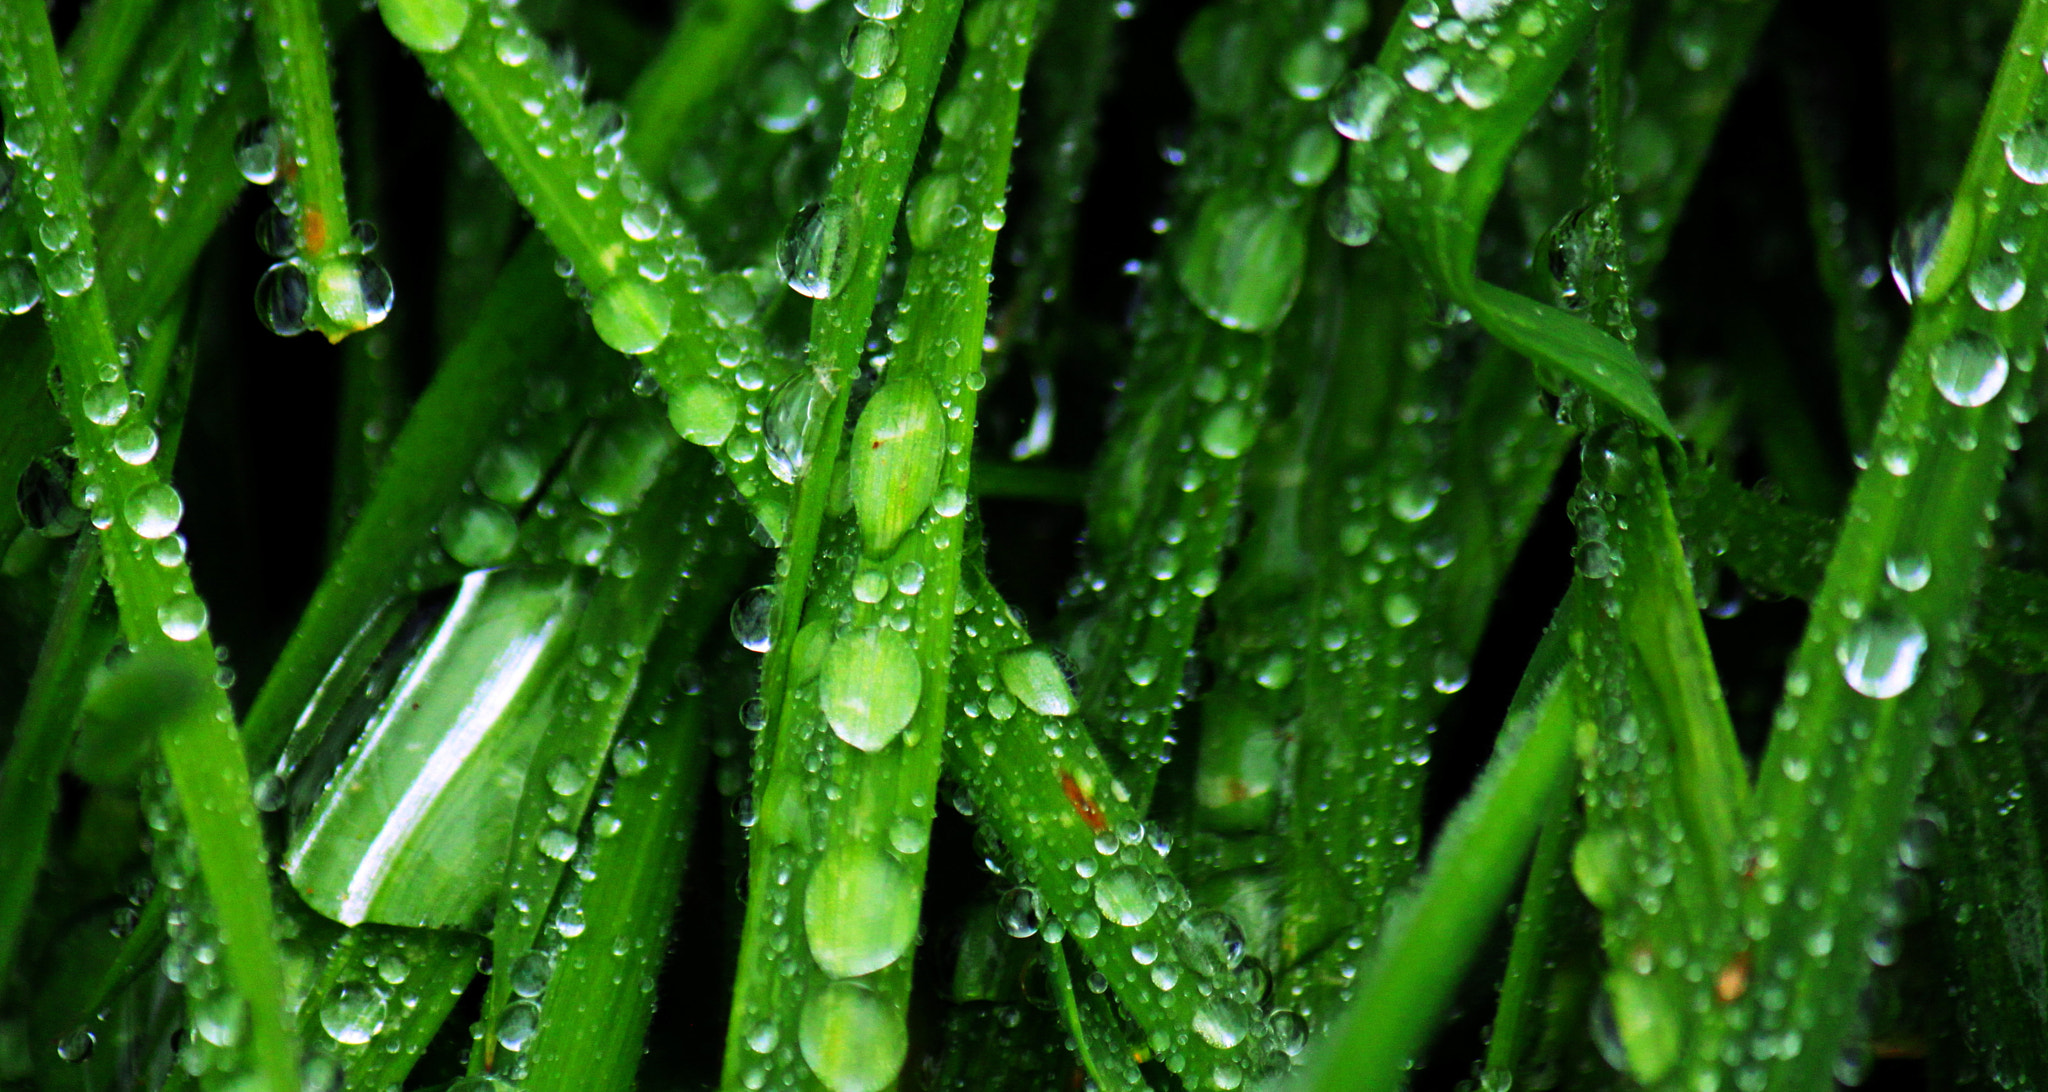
x=1880, y=655
x=870, y=49
x=631, y=316
x=478, y=534
x=853, y=1039
x=354, y=1013
x=1019, y=912
x=1126, y=896
x=1997, y=284
x=2026, y=152
x=1310, y=68
x=860, y=910
x=283, y=299
x=154, y=510
x=1352, y=215
x=518, y=1024
x=1969, y=368
x=1908, y=571
x=1243, y=263
x=76, y=1046
x=1913, y=249
x=135, y=444
x=256, y=152
x=751, y=615
x=20, y=290
x=817, y=253
x=869, y=686
x=788, y=435
x=785, y=98
x=182, y=617
x=1359, y=107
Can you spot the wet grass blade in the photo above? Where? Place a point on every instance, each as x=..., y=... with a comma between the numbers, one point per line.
x=1430, y=939
x=161, y=614
x=1874, y=670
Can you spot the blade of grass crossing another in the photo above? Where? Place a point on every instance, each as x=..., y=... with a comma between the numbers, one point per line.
x=162, y=616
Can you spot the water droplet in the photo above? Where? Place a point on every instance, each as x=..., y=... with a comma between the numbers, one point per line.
x=557, y=844
x=427, y=26
x=1290, y=1035
x=1359, y=108
x=105, y=404
x=860, y=910
x=1352, y=215
x=20, y=290
x=1480, y=86
x=897, y=458
x=1908, y=571
x=354, y=1013
x=1969, y=368
x=1880, y=655
x=256, y=152
x=283, y=299
x=1310, y=68
x=629, y=758
x=870, y=49
x=798, y=405
x=1645, y=1027
x=631, y=315
x=1412, y=501
x=817, y=253
x=1035, y=678
x=1997, y=284
x=2026, y=152
x=869, y=686
x=1223, y=1021
x=1311, y=156
x=507, y=473
x=518, y=1024
x=751, y=615
x=1913, y=250
x=852, y=1038
x=932, y=202
x=1020, y=912
x=1229, y=432
x=76, y=1046
x=1126, y=896
x=154, y=510
x=1243, y=263
x=1447, y=151
x=136, y=444
x=478, y=534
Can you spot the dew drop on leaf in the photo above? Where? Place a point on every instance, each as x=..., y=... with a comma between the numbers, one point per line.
x=1969, y=369
x=1880, y=655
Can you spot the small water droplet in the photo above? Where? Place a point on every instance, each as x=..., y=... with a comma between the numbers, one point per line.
x=1969, y=368
x=354, y=1013
x=870, y=49
x=817, y=253
x=2026, y=152
x=1359, y=108
x=1880, y=655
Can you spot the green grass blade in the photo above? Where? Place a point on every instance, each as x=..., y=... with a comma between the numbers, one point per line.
x=1429, y=941
x=41, y=742
x=1436, y=162
x=161, y=614
x=378, y=997
x=1874, y=670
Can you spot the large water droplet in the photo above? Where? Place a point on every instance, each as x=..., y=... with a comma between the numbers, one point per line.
x=1880, y=655
x=518, y=1024
x=256, y=152
x=860, y=910
x=154, y=510
x=182, y=617
x=478, y=534
x=817, y=253
x=2026, y=152
x=870, y=49
x=1908, y=571
x=1310, y=68
x=869, y=686
x=426, y=26
x=354, y=1013
x=1034, y=678
x=1352, y=215
x=631, y=315
x=1997, y=284
x=797, y=407
x=751, y=616
x=1969, y=368
x=1913, y=250
x=1359, y=108
x=1243, y=263
x=785, y=98
x=852, y=1038
x=1126, y=896
x=283, y=299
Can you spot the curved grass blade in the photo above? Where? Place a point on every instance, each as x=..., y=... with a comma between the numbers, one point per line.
x=161, y=614
x=1874, y=670
x=1435, y=123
